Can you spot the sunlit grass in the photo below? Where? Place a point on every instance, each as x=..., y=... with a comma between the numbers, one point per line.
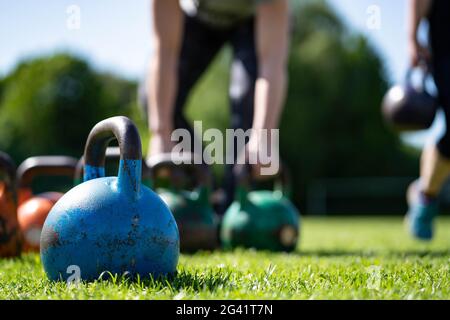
x=339, y=258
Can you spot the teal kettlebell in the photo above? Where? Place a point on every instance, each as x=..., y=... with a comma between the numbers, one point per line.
x=261, y=219
x=110, y=224
x=190, y=205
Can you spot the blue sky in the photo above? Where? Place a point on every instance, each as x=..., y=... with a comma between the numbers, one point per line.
x=389, y=38
x=115, y=34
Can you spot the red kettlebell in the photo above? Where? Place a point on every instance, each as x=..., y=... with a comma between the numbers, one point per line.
x=10, y=236
x=33, y=209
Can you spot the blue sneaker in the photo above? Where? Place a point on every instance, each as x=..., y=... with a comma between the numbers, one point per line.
x=420, y=216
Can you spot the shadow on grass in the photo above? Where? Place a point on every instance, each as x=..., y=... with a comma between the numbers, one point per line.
x=209, y=280
x=371, y=254
x=195, y=281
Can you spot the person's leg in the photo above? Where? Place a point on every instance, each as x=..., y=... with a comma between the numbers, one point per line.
x=442, y=79
x=435, y=163
x=435, y=166
x=241, y=93
x=200, y=46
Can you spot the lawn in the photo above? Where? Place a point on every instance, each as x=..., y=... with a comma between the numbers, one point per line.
x=338, y=258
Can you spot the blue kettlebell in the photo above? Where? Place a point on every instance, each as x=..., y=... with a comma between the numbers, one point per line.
x=113, y=224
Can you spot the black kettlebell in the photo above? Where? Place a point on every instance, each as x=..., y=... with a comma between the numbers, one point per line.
x=409, y=108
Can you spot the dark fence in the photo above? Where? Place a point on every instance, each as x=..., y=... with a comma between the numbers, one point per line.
x=363, y=196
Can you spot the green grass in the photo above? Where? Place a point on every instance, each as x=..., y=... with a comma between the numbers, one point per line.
x=339, y=258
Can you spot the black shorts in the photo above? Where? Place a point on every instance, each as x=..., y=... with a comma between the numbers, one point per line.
x=200, y=45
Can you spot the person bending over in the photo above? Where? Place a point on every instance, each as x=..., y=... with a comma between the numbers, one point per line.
x=187, y=36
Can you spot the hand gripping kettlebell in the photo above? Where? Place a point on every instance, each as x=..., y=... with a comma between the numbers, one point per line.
x=33, y=209
x=10, y=236
x=260, y=219
x=195, y=217
x=110, y=224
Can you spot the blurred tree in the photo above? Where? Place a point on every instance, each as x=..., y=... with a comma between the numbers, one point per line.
x=332, y=115
x=49, y=104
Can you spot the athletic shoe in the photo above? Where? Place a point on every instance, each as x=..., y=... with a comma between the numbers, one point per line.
x=421, y=213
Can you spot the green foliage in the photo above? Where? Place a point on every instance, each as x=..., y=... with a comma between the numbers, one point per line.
x=338, y=259
x=332, y=114
x=49, y=104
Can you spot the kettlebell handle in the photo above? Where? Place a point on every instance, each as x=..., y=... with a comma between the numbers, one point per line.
x=125, y=132
x=166, y=160
x=243, y=176
x=112, y=153
x=425, y=67
x=44, y=166
x=7, y=169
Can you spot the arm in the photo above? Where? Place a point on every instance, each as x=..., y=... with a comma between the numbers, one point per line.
x=272, y=45
x=418, y=9
x=167, y=32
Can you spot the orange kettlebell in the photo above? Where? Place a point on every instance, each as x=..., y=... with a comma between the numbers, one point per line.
x=33, y=209
x=10, y=236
